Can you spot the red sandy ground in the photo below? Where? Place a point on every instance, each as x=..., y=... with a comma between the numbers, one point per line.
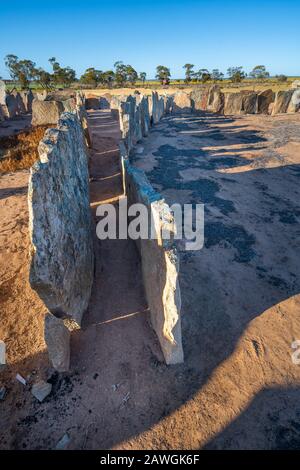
x=119, y=393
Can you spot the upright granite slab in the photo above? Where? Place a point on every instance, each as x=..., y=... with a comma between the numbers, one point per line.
x=264, y=99
x=233, y=103
x=182, y=103
x=60, y=227
x=160, y=265
x=282, y=101
x=199, y=98
x=46, y=112
x=294, y=105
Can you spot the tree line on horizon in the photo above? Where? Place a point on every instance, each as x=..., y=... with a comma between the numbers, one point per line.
x=25, y=71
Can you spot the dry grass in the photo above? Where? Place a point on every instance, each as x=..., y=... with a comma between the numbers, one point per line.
x=20, y=152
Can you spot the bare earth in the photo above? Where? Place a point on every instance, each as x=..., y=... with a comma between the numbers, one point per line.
x=238, y=387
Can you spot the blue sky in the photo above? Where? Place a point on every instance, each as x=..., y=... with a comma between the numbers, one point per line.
x=209, y=34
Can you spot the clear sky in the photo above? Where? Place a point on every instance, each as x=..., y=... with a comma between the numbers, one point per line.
x=209, y=34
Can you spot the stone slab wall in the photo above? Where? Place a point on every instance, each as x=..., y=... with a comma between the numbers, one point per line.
x=62, y=261
x=160, y=266
x=160, y=262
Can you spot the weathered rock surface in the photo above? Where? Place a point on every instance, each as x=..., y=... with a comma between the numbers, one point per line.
x=233, y=103
x=69, y=105
x=182, y=103
x=264, y=99
x=215, y=100
x=21, y=108
x=145, y=116
x=296, y=84
x=199, y=98
x=41, y=390
x=57, y=338
x=60, y=221
x=294, y=105
x=2, y=115
x=10, y=108
x=27, y=97
x=282, y=101
x=168, y=103
x=160, y=266
x=2, y=92
x=249, y=103
x=46, y=112
x=42, y=95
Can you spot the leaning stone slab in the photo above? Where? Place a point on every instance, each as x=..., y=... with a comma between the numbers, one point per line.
x=233, y=103
x=62, y=262
x=264, y=99
x=20, y=103
x=282, y=101
x=249, y=103
x=46, y=112
x=10, y=108
x=160, y=266
x=215, y=100
x=294, y=105
x=199, y=98
x=57, y=338
x=182, y=103
x=27, y=98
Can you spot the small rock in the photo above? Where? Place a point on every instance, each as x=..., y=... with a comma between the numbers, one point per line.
x=21, y=379
x=41, y=390
x=2, y=393
x=63, y=442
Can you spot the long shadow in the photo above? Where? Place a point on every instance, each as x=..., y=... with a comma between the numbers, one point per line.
x=271, y=419
x=8, y=192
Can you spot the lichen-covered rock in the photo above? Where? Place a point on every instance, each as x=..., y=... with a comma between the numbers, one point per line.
x=57, y=338
x=215, y=100
x=2, y=92
x=27, y=98
x=199, y=98
x=69, y=105
x=168, y=103
x=21, y=108
x=249, y=103
x=62, y=262
x=282, y=101
x=46, y=112
x=233, y=103
x=294, y=105
x=264, y=99
x=145, y=117
x=160, y=266
x=10, y=108
x=182, y=103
